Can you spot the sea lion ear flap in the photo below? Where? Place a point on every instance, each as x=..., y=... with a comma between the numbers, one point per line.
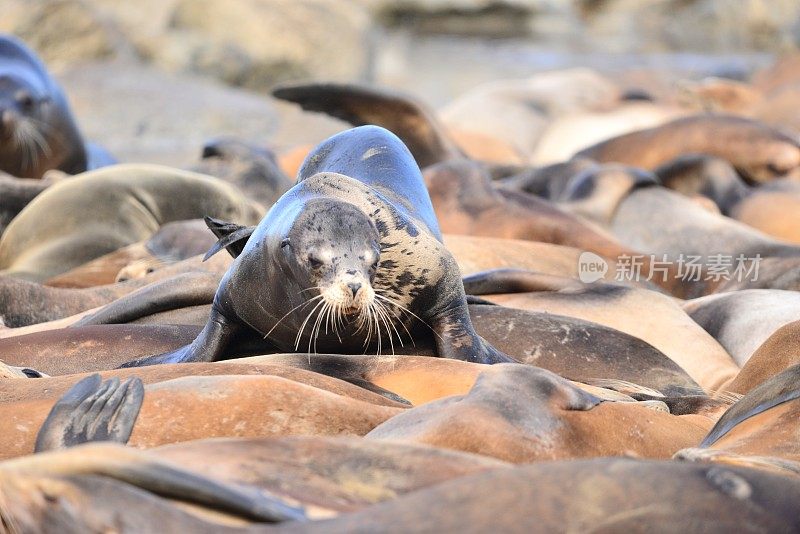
x=232, y=237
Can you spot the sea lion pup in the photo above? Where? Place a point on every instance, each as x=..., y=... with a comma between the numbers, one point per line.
x=82, y=218
x=760, y=430
x=37, y=130
x=358, y=241
x=777, y=353
x=742, y=320
x=758, y=152
x=520, y=413
x=253, y=169
x=601, y=495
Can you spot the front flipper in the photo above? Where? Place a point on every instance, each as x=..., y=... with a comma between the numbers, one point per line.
x=208, y=346
x=181, y=291
x=456, y=338
x=92, y=410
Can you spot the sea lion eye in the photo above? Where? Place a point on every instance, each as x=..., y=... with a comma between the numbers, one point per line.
x=25, y=101
x=314, y=262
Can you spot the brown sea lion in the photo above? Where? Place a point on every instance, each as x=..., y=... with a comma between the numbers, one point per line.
x=772, y=208
x=360, y=246
x=576, y=349
x=605, y=495
x=85, y=217
x=318, y=476
x=409, y=119
x=522, y=414
x=648, y=315
x=760, y=430
x=173, y=242
x=191, y=407
x=742, y=320
x=37, y=130
x=777, y=353
x=759, y=153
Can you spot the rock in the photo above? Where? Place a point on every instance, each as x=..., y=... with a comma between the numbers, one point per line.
x=259, y=43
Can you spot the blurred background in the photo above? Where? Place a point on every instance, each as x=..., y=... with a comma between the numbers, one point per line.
x=153, y=79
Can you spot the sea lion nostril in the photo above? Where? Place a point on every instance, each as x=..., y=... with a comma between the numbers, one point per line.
x=354, y=287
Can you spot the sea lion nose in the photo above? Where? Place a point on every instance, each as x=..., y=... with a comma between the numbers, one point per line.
x=354, y=287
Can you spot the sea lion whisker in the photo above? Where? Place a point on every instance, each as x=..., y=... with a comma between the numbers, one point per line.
x=382, y=315
x=287, y=314
x=387, y=320
x=417, y=317
x=316, y=328
x=303, y=326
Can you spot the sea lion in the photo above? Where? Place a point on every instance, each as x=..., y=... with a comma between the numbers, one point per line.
x=772, y=208
x=25, y=304
x=343, y=239
x=777, y=353
x=641, y=216
x=79, y=219
x=521, y=414
x=758, y=152
x=37, y=130
x=604, y=494
x=16, y=194
x=576, y=349
x=189, y=407
x=712, y=177
x=92, y=410
x=127, y=480
x=742, y=320
x=760, y=430
x=406, y=117
x=648, y=315
x=173, y=242
x=253, y=169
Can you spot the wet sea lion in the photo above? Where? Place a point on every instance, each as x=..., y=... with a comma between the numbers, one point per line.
x=742, y=320
x=79, y=219
x=37, y=130
x=758, y=152
x=357, y=229
x=521, y=414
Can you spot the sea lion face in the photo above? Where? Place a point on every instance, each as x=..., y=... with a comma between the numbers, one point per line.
x=24, y=112
x=333, y=248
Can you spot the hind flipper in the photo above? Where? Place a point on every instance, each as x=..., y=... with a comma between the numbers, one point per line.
x=402, y=115
x=92, y=410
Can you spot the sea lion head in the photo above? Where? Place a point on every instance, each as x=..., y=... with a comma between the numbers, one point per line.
x=24, y=114
x=333, y=247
